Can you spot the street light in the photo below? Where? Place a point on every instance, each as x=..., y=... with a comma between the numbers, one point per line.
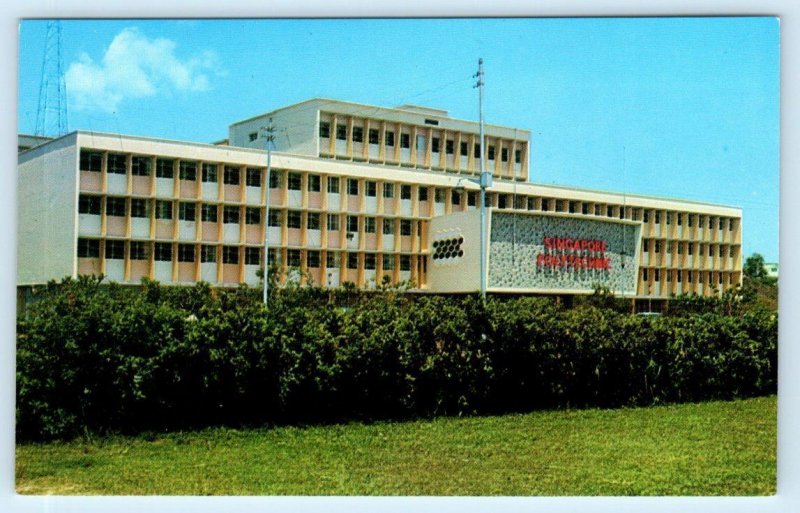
x=483, y=182
x=269, y=140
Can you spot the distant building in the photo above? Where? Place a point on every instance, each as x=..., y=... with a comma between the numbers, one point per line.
x=357, y=193
x=772, y=269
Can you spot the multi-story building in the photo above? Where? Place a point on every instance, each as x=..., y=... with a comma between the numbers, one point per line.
x=352, y=192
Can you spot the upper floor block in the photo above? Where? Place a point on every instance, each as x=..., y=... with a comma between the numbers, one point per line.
x=407, y=136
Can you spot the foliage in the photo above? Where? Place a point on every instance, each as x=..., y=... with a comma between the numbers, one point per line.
x=95, y=358
x=754, y=267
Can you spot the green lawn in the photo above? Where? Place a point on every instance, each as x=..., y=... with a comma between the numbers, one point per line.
x=716, y=448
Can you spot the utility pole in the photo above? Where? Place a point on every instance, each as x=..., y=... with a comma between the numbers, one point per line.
x=485, y=177
x=270, y=139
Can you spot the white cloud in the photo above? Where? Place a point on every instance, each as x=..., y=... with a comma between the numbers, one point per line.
x=135, y=66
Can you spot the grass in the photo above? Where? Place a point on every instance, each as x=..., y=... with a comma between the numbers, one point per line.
x=715, y=448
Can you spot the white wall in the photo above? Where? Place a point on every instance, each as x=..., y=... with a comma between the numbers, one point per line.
x=47, y=212
x=462, y=274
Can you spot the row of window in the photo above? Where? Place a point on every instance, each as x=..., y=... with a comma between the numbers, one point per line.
x=679, y=276
x=373, y=136
x=162, y=251
x=231, y=214
x=165, y=168
x=689, y=248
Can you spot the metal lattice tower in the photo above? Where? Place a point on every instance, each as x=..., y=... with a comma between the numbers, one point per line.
x=51, y=114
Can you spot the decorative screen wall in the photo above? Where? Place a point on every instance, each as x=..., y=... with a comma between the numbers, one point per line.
x=558, y=253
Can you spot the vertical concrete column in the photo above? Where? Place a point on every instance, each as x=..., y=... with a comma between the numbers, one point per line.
x=332, y=138
x=365, y=140
x=457, y=152
x=397, y=136
x=382, y=142
x=350, y=137
x=428, y=146
x=413, y=145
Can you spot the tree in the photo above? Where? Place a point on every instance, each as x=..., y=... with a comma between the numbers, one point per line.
x=754, y=267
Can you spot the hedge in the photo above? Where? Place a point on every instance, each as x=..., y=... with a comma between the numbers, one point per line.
x=97, y=358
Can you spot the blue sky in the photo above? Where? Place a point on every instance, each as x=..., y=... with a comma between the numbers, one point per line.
x=677, y=107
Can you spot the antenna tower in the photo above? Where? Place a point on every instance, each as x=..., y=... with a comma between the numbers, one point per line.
x=51, y=114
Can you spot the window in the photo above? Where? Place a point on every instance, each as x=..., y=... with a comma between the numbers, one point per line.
x=730, y=225
x=372, y=189
x=532, y=204
x=117, y=164
x=622, y=212
x=422, y=193
x=388, y=262
x=369, y=225
x=546, y=206
x=405, y=192
x=455, y=198
x=274, y=256
x=388, y=226
x=667, y=217
x=209, y=213
x=230, y=254
x=88, y=248
x=405, y=262
x=210, y=173
x=164, y=168
x=491, y=152
x=252, y=256
x=332, y=260
x=352, y=260
x=89, y=205
x=504, y=154
x=646, y=216
x=501, y=201
x=208, y=254
x=559, y=205
x=517, y=156
x=449, y=146
x=572, y=207
x=669, y=276
x=388, y=190
x=230, y=214
x=185, y=253
x=186, y=211
x=369, y=261
x=635, y=214
x=295, y=181
x=690, y=220
x=644, y=274
x=721, y=251
x=312, y=221
x=140, y=207
x=438, y=195
x=374, y=136
x=252, y=215
x=689, y=276
x=435, y=141
x=139, y=250
x=333, y=222
x=333, y=184
x=477, y=150
x=656, y=275
x=358, y=134
x=405, y=227
x=419, y=144
x=275, y=218
x=389, y=138
x=658, y=217
x=680, y=248
x=293, y=218
x=679, y=276
x=341, y=132
x=115, y=249
x=690, y=248
x=352, y=186
x=293, y=258
x=609, y=211
x=658, y=246
x=312, y=259
x=188, y=171
x=700, y=277
x=464, y=149
x=710, y=223
x=163, y=251
x=645, y=246
x=140, y=166
x=352, y=224
x=584, y=208
x=324, y=129
x=231, y=175
x=252, y=136
x=274, y=179
x=253, y=178
x=669, y=246
x=405, y=140
x=680, y=219
x=314, y=183
x=115, y=207
x=91, y=161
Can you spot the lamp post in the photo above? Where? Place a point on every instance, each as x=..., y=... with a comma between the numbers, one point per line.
x=269, y=139
x=485, y=177
x=483, y=183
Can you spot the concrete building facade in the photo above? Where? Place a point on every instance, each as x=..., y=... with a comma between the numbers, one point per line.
x=357, y=194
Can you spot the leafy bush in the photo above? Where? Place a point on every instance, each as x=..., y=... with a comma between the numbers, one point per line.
x=98, y=358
